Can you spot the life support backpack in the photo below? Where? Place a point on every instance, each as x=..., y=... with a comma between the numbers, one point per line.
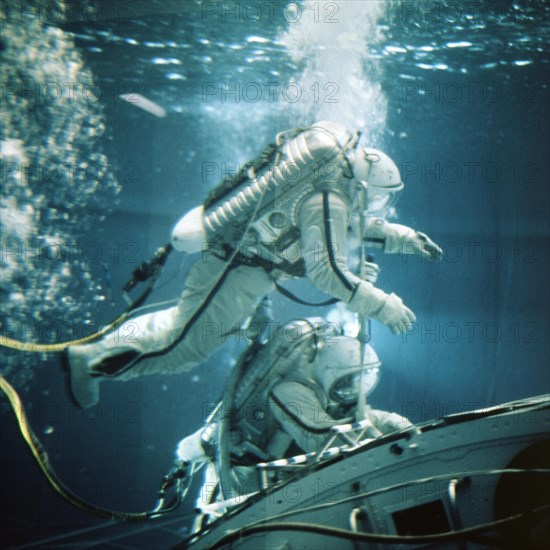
x=260, y=204
x=251, y=422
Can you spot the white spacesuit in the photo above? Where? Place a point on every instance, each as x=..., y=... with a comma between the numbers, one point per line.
x=286, y=217
x=290, y=395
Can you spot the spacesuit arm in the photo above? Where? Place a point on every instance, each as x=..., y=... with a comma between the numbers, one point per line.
x=395, y=238
x=325, y=254
x=301, y=414
x=323, y=221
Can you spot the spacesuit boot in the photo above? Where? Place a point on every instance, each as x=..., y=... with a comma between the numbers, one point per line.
x=88, y=364
x=114, y=355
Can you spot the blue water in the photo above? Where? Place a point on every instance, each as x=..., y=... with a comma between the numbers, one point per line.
x=457, y=95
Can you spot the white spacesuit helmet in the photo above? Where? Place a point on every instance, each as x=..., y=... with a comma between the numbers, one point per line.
x=338, y=368
x=378, y=176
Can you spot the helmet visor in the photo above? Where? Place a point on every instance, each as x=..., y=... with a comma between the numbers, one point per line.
x=346, y=389
x=380, y=200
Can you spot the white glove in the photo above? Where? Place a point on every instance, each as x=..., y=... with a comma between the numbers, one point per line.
x=388, y=309
x=397, y=238
x=396, y=315
x=371, y=431
x=427, y=248
x=401, y=238
x=388, y=422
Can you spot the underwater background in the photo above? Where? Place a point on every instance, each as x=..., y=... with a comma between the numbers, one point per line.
x=92, y=184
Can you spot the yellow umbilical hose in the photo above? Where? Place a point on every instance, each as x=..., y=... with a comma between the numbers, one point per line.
x=37, y=347
x=43, y=461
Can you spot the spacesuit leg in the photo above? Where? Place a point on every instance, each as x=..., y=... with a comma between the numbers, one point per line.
x=208, y=494
x=225, y=312
x=176, y=339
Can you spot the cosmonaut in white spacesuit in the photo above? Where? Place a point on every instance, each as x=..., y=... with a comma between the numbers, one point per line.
x=287, y=215
x=289, y=394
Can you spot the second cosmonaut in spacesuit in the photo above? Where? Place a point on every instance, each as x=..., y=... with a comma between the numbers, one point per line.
x=285, y=216
x=288, y=395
